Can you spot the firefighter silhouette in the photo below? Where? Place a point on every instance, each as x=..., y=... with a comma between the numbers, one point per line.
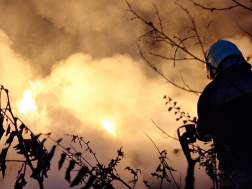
x=225, y=113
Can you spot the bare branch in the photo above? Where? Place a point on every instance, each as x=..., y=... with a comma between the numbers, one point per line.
x=166, y=78
x=238, y=4
x=167, y=58
x=159, y=32
x=181, y=42
x=181, y=76
x=164, y=163
x=244, y=30
x=159, y=18
x=241, y=5
x=194, y=28
x=213, y=8
x=164, y=131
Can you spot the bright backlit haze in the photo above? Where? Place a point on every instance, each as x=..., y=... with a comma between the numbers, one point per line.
x=73, y=67
x=108, y=126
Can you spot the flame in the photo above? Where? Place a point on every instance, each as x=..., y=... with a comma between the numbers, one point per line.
x=108, y=126
x=28, y=102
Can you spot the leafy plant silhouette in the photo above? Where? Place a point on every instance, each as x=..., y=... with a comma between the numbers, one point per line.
x=163, y=171
x=30, y=148
x=205, y=158
x=37, y=158
x=96, y=176
x=99, y=176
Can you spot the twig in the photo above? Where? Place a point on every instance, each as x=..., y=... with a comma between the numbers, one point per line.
x=159, y=18
x=241, y=5
x=154, y=29
x=177, y=59
x=213, y=8
x=166, y=78
x=166, y=164
x=185, y=82
x=194, y=27
x=164, y=131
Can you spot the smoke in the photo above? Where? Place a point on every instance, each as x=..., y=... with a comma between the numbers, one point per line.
x=82, y=59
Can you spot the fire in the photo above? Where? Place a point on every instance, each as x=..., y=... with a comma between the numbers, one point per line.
x=28, y=102
x=109, y=126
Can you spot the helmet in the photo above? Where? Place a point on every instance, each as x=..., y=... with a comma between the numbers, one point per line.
x=218, y=52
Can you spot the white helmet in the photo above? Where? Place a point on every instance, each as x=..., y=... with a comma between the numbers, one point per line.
x=216, y=53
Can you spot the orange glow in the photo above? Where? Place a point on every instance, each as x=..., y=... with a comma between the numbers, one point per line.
x=108, y=126
x=28, y=102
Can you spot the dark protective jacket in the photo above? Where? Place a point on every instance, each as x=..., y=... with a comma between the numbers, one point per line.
x=225, y=113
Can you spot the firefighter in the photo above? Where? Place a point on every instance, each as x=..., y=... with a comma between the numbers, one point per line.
x=225, y=113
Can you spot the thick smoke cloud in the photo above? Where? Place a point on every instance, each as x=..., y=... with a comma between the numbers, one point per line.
x=82, y=59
